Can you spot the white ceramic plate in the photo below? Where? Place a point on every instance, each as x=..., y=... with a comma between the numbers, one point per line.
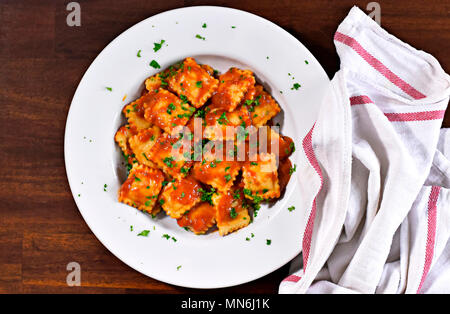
x=232, y=38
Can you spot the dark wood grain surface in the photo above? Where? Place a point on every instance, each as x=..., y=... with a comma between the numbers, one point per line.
x=41, y=62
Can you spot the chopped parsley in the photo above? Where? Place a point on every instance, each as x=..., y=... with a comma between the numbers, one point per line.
x=170, y=108
x=137, y=179
x=227, y=177
x=254, y=163
x=109, y=88
x=158, y=46
x=199, y=84
x=223, y=119
x=144, y=233
x=184, y=170
x=233, y=26
x=200, y=113
x=291, y=208
x=178, y=267
x=268, y=241
x=204, y=25
x=104, y=187
x=161, y=202
x=292, y=147
x=139, y=53
x=168, y=161
x=306, y=61
x=233, y=213
x=207, y=195
x=131, y=228
x=166, y=236
x=200, y=37
x=183, y=98
x=155, y=64
x=296, y=86
x=293, y=169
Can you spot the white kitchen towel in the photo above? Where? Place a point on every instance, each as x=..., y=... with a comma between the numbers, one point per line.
x=374, y=179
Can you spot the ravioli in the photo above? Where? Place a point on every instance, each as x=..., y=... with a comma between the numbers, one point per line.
x=217, y=172
x=193, y=82
x=141, y=188
x=199, y=219
x=231, y=211
x=262, y=107
x=232, y=87
x=122, y=136
x=134, y=112
x=180, y=196
x=142, y=142
x=260, y=178
x=171, y=155
x=166, y=110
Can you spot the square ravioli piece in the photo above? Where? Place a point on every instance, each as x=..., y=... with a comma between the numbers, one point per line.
x=179, y=196
x=233, y=85
x=260, y=178
x=231, y=211
x=262, y=107
x=218, y=173
x=199, y=219
x=172, y=155
x=142, y=142
x=141, y=188
x=193, y=82
x=134, y=112
x=166, y=110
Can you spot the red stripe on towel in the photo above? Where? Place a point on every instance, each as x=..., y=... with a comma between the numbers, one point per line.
x=416, y=116
x=378, y=65
x=360, y=100
x=307, y=236
x=292, y=278
x=400, y=117
x=431, y=233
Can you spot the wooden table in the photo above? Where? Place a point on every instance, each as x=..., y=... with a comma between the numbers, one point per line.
x=41, y=62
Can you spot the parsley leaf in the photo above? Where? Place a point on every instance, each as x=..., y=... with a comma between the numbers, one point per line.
x=158, y=46
x=155, y=64
x=293, y=169
x=144, y=233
